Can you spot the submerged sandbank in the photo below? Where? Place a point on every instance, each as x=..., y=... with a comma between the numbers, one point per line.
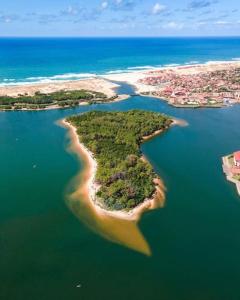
x=118, y=226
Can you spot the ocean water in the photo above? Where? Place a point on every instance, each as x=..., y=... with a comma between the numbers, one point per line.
x=44, y=60
x=47, y=253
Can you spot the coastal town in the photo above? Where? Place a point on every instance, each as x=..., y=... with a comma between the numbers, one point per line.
x=195, y=86
x=204, y=85
x=231, y=167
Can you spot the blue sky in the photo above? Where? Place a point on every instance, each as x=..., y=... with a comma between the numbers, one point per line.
x=120, y=18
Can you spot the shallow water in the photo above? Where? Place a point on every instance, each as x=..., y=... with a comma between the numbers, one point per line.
x=45, y=252
x=122, y=231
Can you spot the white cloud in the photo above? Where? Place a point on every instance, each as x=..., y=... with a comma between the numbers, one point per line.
x=201, y=23
x=158, y=8
x=104, y=5
x=222, y=23
x=123, y=4
x=71, y=11
x=8, y=18
x=173, y=25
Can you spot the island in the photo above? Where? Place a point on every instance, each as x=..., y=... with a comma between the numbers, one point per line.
x=231, y=167
x=53, y=95
x=122, y=179
x=215, y=84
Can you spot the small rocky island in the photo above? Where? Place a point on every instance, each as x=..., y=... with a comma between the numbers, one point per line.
x=123, y=179
x=231, y=167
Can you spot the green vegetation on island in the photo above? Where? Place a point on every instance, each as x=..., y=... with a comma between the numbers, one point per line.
x=60, y=98
x=114, y=138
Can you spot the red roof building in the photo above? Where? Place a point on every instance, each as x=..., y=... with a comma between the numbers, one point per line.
x=236, y=157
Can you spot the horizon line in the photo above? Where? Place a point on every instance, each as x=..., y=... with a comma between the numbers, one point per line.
x=116, y=37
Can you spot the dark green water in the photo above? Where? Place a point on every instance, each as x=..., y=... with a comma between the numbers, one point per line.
x=45, y=251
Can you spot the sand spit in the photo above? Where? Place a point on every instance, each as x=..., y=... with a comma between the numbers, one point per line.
x=178, y=122
x=91, y=84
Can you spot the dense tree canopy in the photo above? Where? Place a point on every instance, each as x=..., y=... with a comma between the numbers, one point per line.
x=115, y=137
x=61, y=98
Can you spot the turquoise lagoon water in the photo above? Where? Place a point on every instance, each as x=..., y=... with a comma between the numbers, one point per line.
x=46, y=252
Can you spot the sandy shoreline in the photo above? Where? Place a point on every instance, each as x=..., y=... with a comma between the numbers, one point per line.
x=175, y=122
x=90, y=188
x=91, y=84
x=107, y=83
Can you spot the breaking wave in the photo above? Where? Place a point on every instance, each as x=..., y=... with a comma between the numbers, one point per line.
x=79, y=76
x=47, y=79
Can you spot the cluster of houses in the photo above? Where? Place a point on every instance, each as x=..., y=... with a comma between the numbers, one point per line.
x=234, y=169
x=231, y=167
x=203, y=88
x=236, y=159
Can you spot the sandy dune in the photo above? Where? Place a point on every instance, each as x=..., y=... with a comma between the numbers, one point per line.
x=93, y=84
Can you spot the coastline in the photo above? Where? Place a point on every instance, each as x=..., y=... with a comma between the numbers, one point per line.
x=133, y=77
x=90, y=188
x=175, y=122
x=138, y=78
x=96, y=84
x=188, y=106
x=228, y=174
x=107, y=84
